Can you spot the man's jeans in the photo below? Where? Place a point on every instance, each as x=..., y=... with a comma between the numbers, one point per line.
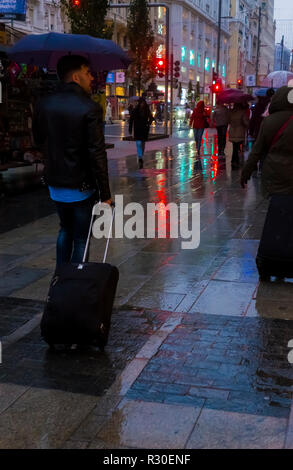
x=140, y=145
x=198, y=133
x=74, y=226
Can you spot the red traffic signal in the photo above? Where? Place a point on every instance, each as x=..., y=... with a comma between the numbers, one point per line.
x=76, y=3
x=177, y=69
x=217, y=86
x=239, y=83
x=160, y=66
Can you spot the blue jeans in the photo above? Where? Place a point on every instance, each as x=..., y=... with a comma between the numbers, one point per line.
x=74, y=226
x=198, y=133
x=140, y=145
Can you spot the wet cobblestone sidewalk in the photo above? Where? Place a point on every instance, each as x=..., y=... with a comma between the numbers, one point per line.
x=197, y=356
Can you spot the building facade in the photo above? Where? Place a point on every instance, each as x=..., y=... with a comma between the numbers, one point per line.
x=194, y=34
x=252, y=43
x=42, y=16
x=282, y=58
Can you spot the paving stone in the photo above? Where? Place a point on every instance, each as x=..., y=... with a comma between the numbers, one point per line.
x=149, y=425
x=242, y=431
x=235, y=298
x=238, y=269
x=18, y=278
x=16, y=312
x=156, y=299
x=42, y=419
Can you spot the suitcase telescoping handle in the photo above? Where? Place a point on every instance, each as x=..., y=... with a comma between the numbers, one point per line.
x=90, y=233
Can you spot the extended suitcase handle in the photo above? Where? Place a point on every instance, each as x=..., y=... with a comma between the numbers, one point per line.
x=90, y=232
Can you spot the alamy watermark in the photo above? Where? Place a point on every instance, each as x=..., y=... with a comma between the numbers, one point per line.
x=156, y=220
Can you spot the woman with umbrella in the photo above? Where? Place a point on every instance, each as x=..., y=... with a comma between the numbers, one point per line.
x=140, y=120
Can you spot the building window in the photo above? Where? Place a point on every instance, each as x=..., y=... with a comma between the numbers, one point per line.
x=199, y=60
x=191, y=57
x=183, y=53
x=207, y=64
x=224, y=71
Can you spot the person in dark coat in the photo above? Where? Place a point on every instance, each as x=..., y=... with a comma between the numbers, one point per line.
x=140, y=120
x=68, y=128
x=276, y=177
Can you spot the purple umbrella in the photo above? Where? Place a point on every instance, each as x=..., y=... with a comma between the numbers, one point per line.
x=44, y=50
x=232, y=95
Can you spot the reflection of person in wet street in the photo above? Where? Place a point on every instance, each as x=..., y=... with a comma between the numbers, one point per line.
x=239, y=122
x=198, y=123
x=140, y=120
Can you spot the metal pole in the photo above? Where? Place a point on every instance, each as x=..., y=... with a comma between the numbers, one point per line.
x=219, y=36
x=258, y=46
x=171, y=87
x=156, y=5
x=167, y=69
x=282, y=53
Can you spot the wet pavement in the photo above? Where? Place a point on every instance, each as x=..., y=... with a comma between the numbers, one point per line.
x=197, y=356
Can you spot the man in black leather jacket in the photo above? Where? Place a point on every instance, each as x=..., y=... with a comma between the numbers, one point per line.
x=68, y=126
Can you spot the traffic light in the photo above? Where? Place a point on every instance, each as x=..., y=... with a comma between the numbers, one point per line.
x=239, y=83
x=76, y=3
x=177, y=69
x=215, y=76
x=160, y=66
x=217, y=86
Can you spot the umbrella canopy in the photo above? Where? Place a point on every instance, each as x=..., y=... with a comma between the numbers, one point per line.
x=45, y=50
x=277, y=79
x=232, y=95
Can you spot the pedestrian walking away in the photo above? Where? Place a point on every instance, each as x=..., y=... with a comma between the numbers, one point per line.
x=278, y=163
x=140, y=121
x=198, y=122
x=274, y=145
x=239, y=122
x=220, y=119
x=68, y=127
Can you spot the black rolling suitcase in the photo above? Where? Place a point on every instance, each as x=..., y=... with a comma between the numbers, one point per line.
x=275, y=252
x=80, y=301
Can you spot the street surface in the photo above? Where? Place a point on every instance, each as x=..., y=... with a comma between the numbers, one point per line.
x=197, y=355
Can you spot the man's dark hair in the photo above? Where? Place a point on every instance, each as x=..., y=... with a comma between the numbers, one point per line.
x=69, y=64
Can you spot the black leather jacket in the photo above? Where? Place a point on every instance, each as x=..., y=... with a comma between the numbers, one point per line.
x=68, y=127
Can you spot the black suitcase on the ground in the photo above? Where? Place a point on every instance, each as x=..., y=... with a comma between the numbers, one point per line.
x=275, y=252
x=80, y=301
